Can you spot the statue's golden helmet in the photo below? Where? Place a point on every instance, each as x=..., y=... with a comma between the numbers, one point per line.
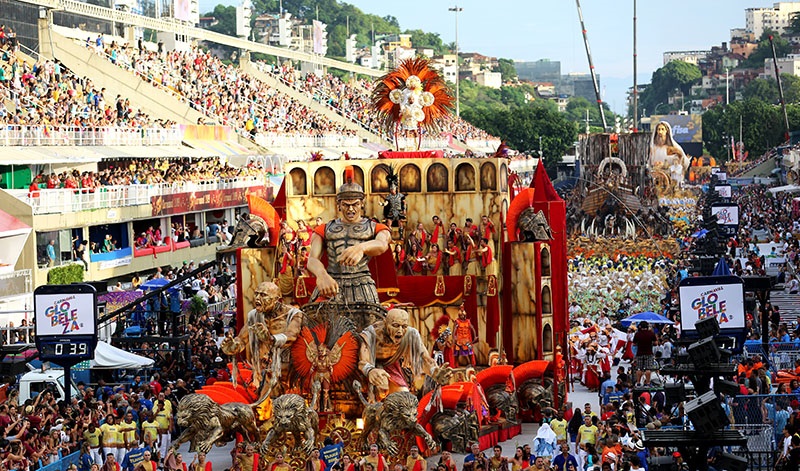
x=350, y=190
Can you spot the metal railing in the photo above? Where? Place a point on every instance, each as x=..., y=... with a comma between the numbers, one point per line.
x=78, y=136
x=64, y=200
x=781, y=356
x=483, y=144
x=17, y=335
x=15, y=283
x=222, y=306
x=276, y=140
x=178, y=27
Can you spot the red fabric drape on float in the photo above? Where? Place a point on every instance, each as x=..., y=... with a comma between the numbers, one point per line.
x=424, y=154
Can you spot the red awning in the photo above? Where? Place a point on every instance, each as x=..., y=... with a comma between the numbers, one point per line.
x=9, y=223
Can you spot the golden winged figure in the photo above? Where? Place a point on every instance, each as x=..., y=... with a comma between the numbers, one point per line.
x=324, y=354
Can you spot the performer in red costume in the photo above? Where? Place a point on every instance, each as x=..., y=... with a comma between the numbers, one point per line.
x=374, y=458
x=466, y=336
x=415, y=462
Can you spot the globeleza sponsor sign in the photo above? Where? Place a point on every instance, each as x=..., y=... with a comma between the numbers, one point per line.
x=65, y=314
x=721, y=297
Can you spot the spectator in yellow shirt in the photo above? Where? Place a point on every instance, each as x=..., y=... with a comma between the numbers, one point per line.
x=112, y=438
x=587, y=433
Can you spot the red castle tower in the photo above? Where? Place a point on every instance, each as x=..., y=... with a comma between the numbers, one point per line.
x=535, y=316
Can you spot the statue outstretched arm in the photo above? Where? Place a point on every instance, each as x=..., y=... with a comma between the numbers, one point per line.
x=327, y=286
x=377, y=377
x=233, y=346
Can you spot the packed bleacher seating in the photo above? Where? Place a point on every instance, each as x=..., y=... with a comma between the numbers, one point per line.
x=146, y=172
x=352, y=99
x=48, y=94
x=223, y=92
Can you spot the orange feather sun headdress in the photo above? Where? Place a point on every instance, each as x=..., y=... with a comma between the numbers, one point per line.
x=413, y=96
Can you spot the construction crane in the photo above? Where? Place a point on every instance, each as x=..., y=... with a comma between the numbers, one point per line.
x=591, y=66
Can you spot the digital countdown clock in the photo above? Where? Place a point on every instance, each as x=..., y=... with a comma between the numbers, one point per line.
x=66, y=318
x=61, y=349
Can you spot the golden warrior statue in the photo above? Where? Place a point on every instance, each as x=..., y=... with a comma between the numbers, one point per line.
x=350, y=241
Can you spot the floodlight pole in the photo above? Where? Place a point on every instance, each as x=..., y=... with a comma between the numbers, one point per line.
x=457, y=9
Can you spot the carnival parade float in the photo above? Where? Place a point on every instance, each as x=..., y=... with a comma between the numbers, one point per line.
x=347, y=346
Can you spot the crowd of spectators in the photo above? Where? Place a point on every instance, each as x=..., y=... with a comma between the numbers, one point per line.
x=145, y=172
x=48, y=94
x=226, y=93
x=115, y=427
x=352, y=100
x=222, y=91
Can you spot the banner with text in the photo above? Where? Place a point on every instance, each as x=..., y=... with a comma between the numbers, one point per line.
x=722, y=297
x=206, y=200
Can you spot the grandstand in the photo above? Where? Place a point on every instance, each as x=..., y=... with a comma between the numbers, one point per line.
x=104, y=142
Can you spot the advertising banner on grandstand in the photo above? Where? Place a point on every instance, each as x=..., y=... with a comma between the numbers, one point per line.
x=320, y=37
x=182, y=10
x=718, y=296
x=727, y=218
x=178, y=203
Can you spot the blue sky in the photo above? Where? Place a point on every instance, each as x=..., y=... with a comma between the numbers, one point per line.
x=536, y=29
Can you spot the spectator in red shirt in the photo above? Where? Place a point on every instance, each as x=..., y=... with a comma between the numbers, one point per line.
x=644, y=340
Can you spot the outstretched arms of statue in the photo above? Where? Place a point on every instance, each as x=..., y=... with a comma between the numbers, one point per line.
x=231, y=345
x=377, y=377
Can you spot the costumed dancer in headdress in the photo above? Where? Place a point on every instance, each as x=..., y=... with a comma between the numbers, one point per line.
x=591, y=367
x=465, y=336
x=394, y=204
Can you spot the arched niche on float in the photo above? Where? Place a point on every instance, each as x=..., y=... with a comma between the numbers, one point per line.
x=546, y=270
x=324, y=182
x=299, y=183
x=547, y=301
x=358, y=175
x=488, y=177
x=438, y=178
x=377, y=177
x=503, y=177
x=410, y=179
x=547, y=339
x=465, y=177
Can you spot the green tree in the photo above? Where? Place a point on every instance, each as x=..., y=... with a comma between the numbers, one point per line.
x=762, y=126
x=576, y=112
x=506, y=69
x=521, y=128
x=767, y=89
x=676, y=75
x=764, y=51
x=337, y=16
x=226, y=20
x=421, y=39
